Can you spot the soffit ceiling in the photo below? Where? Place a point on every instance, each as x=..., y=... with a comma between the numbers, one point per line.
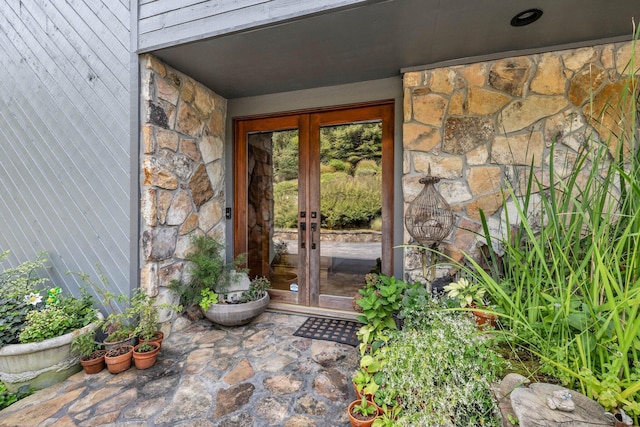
x=379, y=39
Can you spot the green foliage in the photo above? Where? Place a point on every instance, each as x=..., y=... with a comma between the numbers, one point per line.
x=441, y=373
x=146, y=347
x=85, y=344
x=285, y=200
x=56, y=320
x=350, y=202
x=285, y=155
x=118, y=324
x=367, y=168
x=257, y=289
x=381, y=299
x=466, y=292
x=364, y=408
x=144, y=309
x=337, y=165
x=15, y=284
x=208, y=270
x=208, y=297
x=7, y=398
x=351, y=143
x=568, y=284
x=347, y=202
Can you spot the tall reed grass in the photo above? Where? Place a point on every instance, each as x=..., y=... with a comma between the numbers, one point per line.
x=567, y=283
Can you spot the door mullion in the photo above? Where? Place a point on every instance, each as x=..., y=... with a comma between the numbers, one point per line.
x=303, y=206
x=313, y=197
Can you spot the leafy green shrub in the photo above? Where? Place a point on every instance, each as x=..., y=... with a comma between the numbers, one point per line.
x=568, y=282
x=367, y=168
x=339, y=166
x=60, y=316
x=285, y=198
x=208, y=270
x=326, y=178
x=16, y=286
x=350, y=202
x=441, y=375
x=7, y=398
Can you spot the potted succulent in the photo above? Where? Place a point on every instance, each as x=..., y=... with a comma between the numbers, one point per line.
x=223, y=292
x=38, y=326
x=91, y=356
x=362, y=412
x=145, y=354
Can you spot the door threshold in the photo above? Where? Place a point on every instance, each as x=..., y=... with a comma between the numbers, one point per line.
x=311, y=311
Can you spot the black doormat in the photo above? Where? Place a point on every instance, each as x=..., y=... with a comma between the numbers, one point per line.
x=318, y=328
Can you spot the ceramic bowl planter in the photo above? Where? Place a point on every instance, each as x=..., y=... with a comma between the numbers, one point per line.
x=40, y=364
x=358, y=420
x=237, y=314
x=146, y=359
x=119, y=359
x=94, y=363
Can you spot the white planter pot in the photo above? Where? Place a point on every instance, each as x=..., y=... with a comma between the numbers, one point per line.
x=40, y=364
x=237, y=314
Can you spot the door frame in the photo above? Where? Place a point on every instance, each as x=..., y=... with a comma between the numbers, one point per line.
x=306, y=121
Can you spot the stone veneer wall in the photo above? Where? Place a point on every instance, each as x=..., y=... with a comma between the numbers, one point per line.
x=182, y=185
x=480, y=126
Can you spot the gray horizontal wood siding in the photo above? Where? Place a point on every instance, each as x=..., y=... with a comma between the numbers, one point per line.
x=163, y=23
x=65, y=136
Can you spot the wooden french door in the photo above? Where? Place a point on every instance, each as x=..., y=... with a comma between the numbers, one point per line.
x=313, y=200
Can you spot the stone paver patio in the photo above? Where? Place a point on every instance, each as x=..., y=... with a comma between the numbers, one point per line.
x=254, y=375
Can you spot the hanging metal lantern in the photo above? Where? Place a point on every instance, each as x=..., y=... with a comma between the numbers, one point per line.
x=429, y=219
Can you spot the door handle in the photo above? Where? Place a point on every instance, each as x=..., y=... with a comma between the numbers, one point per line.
x=303, y=227
x=314, y=227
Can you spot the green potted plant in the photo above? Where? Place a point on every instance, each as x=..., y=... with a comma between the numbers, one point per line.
x=380, y=302
x=91, y=356
x=148, y=318
x=222, y=291
x=119, y=325
x=38, y=325
x=362, y=412
x=388, y=416
x=471, y=294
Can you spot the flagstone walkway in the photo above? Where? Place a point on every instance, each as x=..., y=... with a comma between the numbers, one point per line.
x=206, y=375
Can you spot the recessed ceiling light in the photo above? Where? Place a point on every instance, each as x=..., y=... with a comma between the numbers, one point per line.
x=525, y=18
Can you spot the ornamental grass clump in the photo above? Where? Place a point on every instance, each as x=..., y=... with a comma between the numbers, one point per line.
x=566, y=275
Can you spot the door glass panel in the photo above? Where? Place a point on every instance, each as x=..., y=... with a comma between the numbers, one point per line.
x=350, y=206
x=272, y=211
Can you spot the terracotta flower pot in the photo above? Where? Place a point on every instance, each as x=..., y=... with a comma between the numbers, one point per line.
x=110, y=345
x=484, y=319
x=157, y=338
x=119, y=359
x=145, y=360
x=95, y=364
x=357, y=420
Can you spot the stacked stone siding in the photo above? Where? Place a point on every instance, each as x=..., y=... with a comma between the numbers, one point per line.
x=182, y=164
x=481, y=126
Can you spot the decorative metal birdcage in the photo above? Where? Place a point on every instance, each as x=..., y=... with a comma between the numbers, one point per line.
x=429, y=221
